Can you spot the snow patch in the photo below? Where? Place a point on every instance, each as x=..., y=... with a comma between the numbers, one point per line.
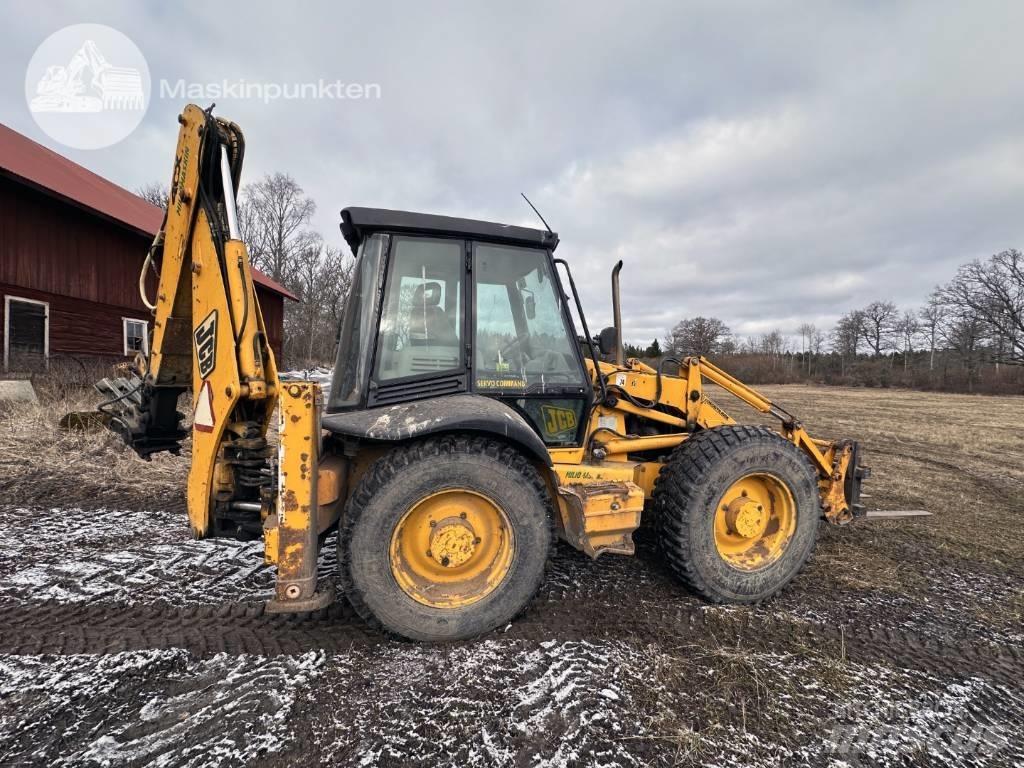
x=161, y=708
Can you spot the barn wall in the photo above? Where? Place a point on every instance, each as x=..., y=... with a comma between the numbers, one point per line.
x=79, y=327
x=53, y=247
x=87, y=268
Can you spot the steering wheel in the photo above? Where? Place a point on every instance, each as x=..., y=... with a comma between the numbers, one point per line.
x=518, y=341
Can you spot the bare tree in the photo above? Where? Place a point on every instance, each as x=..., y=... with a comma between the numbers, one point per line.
x=818, y=340
x=321, y=276
x=274, y=215
x=907, y=327
x=807, y=331
x=846, y=337
x=697, y=336
x=878, y=326
x=154, y=192
x=964, y=332
x=772, y=345
x=274, y=218
x=931, y=316
x=993, y=292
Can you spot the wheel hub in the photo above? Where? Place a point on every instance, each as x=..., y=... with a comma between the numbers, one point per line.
x=755, y=521
x=452, y=542
x=746, y=518
x=451, y=549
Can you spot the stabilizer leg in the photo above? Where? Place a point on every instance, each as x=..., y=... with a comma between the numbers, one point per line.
x=291, y=534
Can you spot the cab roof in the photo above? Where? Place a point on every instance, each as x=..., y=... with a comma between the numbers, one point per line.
x=359, y=223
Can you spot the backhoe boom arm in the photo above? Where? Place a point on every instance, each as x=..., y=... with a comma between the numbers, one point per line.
x=208, y=337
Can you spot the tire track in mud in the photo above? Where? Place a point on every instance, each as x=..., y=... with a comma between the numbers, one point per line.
x=61, y=628
x=496, y=702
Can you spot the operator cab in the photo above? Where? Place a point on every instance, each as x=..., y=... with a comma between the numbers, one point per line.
x=442, y=306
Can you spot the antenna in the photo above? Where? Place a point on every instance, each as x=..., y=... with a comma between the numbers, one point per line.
x=546, y=226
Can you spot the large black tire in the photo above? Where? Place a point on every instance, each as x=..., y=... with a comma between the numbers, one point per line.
x=397, y=482
x=687, y=496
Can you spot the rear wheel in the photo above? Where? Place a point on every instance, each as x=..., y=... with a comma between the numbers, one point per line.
x=739, y=510
x=445, y=539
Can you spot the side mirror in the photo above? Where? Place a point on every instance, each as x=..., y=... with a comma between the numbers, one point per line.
x=531, y=307
x=606, y=341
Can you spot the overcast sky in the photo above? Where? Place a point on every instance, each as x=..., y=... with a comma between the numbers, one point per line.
x=765, y=163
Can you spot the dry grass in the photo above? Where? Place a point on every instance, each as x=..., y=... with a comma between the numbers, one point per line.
x=42, y=462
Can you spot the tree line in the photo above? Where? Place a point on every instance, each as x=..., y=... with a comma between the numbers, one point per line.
x=967, y=336
x=274, y=216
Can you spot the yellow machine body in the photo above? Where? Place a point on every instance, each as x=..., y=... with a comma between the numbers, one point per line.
x=209, y=339
x=588, y=490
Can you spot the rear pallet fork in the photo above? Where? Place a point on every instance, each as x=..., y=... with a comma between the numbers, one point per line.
x=291, y=533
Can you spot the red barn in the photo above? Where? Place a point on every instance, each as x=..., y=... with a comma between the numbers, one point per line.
x=71, y=247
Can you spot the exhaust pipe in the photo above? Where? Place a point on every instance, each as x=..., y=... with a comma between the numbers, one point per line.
x=620, y=356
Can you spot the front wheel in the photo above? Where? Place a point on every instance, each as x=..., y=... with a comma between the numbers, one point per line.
x=739, y=510
x=446, y=538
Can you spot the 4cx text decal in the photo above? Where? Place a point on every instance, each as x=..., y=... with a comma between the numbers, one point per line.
x=206, y=345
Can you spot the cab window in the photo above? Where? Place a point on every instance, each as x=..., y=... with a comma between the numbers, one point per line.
x=356, y=336
x=522, y=342
x=421, y=322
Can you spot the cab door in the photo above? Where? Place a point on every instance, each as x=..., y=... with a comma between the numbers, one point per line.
x=524, y=349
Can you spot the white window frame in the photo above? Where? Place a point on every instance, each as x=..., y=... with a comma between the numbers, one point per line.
x=7, y=327
x=124, y=335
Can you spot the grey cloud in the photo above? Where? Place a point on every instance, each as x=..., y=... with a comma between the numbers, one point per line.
x=768, y=164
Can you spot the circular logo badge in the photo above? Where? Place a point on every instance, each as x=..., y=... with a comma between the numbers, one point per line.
x=87, y=86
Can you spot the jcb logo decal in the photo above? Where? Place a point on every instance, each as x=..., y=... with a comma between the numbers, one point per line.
x=558, y=420
x=206, y=345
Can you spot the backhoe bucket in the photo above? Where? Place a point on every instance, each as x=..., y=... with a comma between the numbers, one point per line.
x=146, y=417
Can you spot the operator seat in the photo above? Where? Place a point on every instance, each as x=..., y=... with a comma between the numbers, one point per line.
x=428, y=323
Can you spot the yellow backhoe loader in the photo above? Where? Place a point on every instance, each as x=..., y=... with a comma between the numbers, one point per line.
x=466, y=426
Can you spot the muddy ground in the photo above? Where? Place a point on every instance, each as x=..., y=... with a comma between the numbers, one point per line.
x=123, y=642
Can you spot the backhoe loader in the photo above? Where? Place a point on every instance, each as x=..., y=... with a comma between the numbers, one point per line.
x=468, y=422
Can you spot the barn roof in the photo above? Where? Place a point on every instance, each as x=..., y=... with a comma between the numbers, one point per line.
x=36, y=166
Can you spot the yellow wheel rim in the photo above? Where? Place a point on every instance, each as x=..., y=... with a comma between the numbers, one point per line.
x=755, y=522
x=452, y=549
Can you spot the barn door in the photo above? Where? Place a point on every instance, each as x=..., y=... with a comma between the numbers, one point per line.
x=26, y=335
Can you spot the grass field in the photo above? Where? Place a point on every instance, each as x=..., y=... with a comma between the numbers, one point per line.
x=124, y=642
